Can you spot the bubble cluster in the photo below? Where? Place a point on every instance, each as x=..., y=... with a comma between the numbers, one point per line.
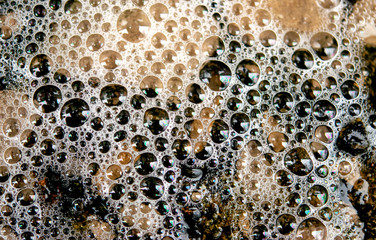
x=150, y=119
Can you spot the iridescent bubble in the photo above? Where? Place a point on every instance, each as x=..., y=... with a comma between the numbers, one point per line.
x=286, y=224
x=317, y=196
x=298, y=161
x=311, y=229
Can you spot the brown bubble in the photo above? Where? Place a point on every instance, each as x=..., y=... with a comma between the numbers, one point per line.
x=95, y=42
x=159, y=12
x=133, y=25
x=114, y=172
x=110, y=59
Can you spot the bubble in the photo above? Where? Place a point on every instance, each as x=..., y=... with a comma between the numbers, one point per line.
x=320, y=151
x=324, y=134
x=140, y=143
x=181, y=148
x=48, y=147
x=293, y=200
x=11, y=127
x=26, y=197
x=262, y=17
x=311, y=229
x=156, y=120
x=291, y=39
x=4, y=174
x=324, y=45
x=133, y=25
x=317, y=196
x=298, y=161
x=283, y=102
x=216, y=75
x=151, y=86
x=173, y=103
x=322, y=171
x=268, y=38
x=110, y=59
x=47, y=98
x=286, y=224
x=203, y=150
x=113, y=95
x=40, y=11
x=72, y=7
x=75, y=112
x=193, y=128
x=54, y=4
x=283, y=178
x=95, y=42
x=240, y=122
x=324, y=110
x=145, y=163
x=152, y=187
x=248, y=72
x=28, y=138
x=277, y=141
x=260, y=232
x=350, y=89
x=303, y=59
x=86, y=63
x=138, y=101
x=195, y=93
x=326, y=214
x=62, y=76
x=213, y=46
x=159, y=12
x=40, y=65
x=218, y=131
x=117, y=191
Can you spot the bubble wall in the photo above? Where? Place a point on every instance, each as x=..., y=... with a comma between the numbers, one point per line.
x=179, y=119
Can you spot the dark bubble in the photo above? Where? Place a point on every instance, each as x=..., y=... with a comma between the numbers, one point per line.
x=62, y=76
x=140, y=143
x=240, y=122
x=311, y=89
x=303, y=109
x=260, y=232
x=284, y=178
x=47, y=98
x=40, y=65
x=40, y=11
x=113, y=95
x=181, y=148
x=104, y=146
x=298, y=161
x=96, y=124
x=173, y=103
x=48, y=147
x=28, y=138
x=31, y=48
x=72, y=7
x=286, y=224
x=350, y=89
x=152, y=187
x=4, y=174
x=123, y=117
x=161, y=144
x=138, y=101
x=75, y=113
x=216, y=75
x=293, y=200
x=218, y=131
x=26, y=197
x=324, y=45
x=120, y=135
x=117, y=191
x=54, y=4
x=156, y=120
x=253, y=97
x=303, y=59
x=324, y=110
x=145, y=163
x=203, y=150
x=283, y=102
x=317, y=196
x=234, y=104
x=248, y=72
x=195, y=93
x=151, y=86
